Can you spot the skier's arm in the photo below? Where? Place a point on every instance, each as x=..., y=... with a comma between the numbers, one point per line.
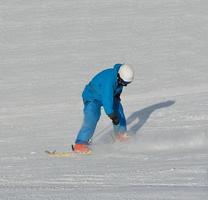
x=122, y=118
x=108, y=97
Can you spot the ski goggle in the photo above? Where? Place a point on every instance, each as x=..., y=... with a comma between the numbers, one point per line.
x=122, y=82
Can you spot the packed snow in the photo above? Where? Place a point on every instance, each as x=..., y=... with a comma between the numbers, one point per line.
x=50, y=49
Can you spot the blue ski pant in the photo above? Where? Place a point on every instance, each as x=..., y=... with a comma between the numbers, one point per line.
x=92, y=112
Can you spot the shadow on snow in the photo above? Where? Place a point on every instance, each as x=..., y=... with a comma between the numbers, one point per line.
x=143, y=115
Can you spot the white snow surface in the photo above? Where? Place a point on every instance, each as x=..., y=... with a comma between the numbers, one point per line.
x=50, y=49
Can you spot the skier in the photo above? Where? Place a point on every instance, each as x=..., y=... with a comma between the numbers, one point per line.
x=104, y=90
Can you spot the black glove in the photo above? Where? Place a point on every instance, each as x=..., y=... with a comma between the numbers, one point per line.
x=114, y=118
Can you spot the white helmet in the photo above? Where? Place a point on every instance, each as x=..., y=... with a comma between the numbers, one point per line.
x=126, y=73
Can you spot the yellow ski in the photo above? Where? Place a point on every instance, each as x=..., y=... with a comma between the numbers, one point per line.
x=60, y=154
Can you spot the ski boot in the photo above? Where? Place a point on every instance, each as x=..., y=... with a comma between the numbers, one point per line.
x=81, y=148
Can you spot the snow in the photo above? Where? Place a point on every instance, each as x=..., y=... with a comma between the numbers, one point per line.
x=50, y=49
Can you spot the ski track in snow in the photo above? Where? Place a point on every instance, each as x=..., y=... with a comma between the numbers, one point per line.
x=50, y=49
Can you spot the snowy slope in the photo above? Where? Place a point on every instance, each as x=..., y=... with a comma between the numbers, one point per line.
x=49, y=50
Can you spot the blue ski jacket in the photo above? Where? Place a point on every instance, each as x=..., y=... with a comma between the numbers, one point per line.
x=104, y=88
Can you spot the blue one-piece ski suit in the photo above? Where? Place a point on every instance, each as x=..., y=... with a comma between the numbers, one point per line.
x=102, y=90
